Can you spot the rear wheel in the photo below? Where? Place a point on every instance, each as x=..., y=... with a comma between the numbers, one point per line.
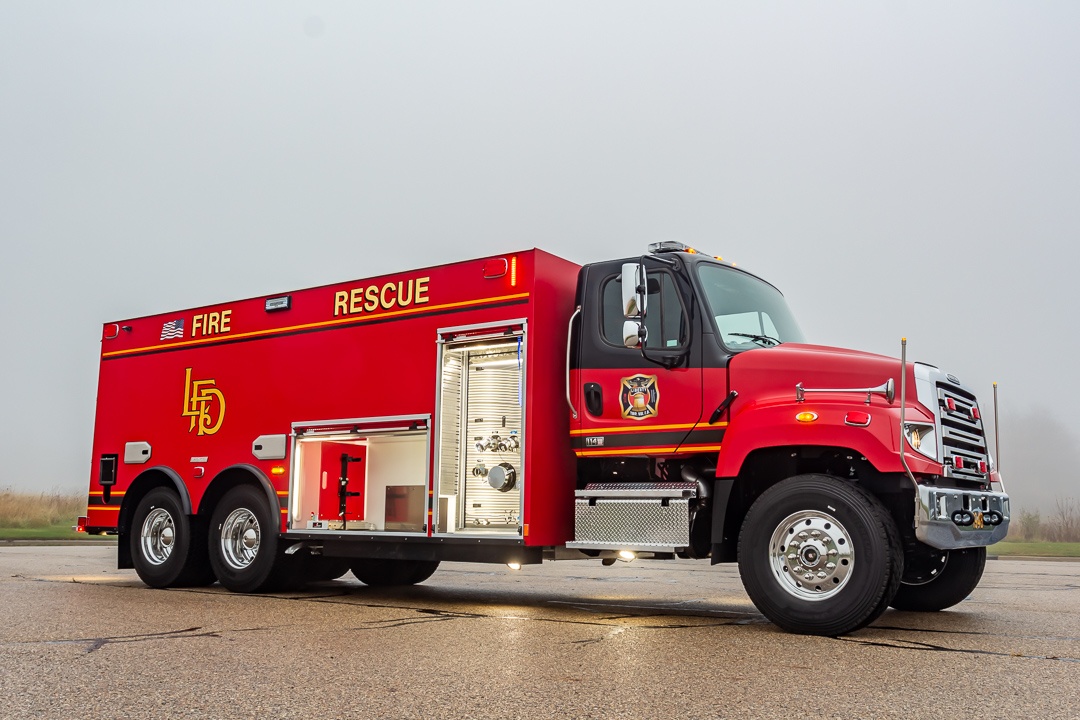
x=244, y=543
x=388, y=573
x=945, y=579
x=819, y=556
x=167, y=548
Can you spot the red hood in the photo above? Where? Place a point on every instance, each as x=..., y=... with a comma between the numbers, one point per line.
x=775, y=371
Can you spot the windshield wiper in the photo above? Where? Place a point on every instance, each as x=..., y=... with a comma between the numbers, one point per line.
x=763, y=340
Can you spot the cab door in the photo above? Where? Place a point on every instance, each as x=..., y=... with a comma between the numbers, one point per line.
x=627, y=404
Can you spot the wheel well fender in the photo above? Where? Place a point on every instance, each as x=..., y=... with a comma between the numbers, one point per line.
x=775, y=426
x=235, y=476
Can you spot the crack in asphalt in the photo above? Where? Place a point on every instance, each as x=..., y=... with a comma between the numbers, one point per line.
x=94, y=644
x=930, y=647
x=982, y=633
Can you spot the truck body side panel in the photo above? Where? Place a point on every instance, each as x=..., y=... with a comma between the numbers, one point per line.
x=199, y=386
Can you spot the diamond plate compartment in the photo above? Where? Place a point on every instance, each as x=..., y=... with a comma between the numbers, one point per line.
x=631, y=524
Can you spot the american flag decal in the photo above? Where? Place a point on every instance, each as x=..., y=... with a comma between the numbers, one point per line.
x=172, y=329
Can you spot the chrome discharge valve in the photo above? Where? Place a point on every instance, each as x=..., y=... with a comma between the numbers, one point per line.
x=502, y=477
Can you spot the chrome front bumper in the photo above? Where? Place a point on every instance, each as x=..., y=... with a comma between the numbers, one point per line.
x=938, y=509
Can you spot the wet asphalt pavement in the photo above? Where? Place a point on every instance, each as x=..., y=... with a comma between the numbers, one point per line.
x=80, y=639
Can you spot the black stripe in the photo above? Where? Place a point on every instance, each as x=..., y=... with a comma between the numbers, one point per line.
x=628, y=439
x=271, y=336
x=645, y=438
x=703, y=436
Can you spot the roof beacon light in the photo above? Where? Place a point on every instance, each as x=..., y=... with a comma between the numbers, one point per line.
x=667, y=246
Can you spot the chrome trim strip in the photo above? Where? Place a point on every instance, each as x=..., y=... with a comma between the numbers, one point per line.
x=569, y=335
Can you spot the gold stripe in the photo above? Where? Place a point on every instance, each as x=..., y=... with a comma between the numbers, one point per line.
x=642, y=428
x=696, y=448
x=103, y=507
x=324, y=323
x=101, y=492
x=283, y=492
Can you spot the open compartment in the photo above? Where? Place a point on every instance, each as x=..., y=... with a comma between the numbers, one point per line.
x=481, y=416
x=367, y=474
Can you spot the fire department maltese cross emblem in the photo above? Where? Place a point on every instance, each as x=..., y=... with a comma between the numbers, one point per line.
x=639, y=397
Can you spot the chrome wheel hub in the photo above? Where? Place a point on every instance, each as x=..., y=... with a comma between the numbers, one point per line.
x=157, y=537
x=811, y=555
x=240, y=538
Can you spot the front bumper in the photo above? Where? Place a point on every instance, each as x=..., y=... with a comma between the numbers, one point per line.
x=939, y=509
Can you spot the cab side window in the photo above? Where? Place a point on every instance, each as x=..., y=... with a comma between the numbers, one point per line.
x=664, y=316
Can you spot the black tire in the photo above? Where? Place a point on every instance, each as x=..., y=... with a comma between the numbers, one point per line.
x=244, y=544
x=391, y=573
x=955, y=578
x=168, y=547
x=307, y=568
x=319, y=568
x=848, y=558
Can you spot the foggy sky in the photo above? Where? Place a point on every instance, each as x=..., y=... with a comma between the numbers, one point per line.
x=897, y=169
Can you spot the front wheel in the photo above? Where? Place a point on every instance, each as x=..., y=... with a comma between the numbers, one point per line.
x=950, y=577
x=819, y=556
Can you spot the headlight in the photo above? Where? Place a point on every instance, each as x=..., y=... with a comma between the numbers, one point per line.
x=922, y=439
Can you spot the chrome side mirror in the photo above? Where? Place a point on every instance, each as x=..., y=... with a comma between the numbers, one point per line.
x=633, y=334
x=634, y=282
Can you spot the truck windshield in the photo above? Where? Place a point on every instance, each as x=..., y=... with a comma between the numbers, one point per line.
x=749, y=312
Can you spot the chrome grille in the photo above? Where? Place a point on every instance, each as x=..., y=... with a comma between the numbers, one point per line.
x=962, y=434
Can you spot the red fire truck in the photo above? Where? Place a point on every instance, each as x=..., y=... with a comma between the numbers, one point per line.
x=518, y=408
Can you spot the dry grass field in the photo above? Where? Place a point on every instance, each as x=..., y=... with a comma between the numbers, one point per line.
x=39, y=510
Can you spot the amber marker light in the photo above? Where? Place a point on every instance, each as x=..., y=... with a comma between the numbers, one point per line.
x=513, y=271
x=277, y=470
x=806, y=417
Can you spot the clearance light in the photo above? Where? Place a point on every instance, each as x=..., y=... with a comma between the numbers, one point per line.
x=806, y=417
x=858, y=419
x=958, y=462
x=950, y=404
x=513, y=271
x=974, y=413
x=982, y=467
x=277, y=470
x=495, y=268
x=514, y=565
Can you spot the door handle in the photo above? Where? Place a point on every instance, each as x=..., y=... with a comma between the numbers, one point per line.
x=594, y=399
